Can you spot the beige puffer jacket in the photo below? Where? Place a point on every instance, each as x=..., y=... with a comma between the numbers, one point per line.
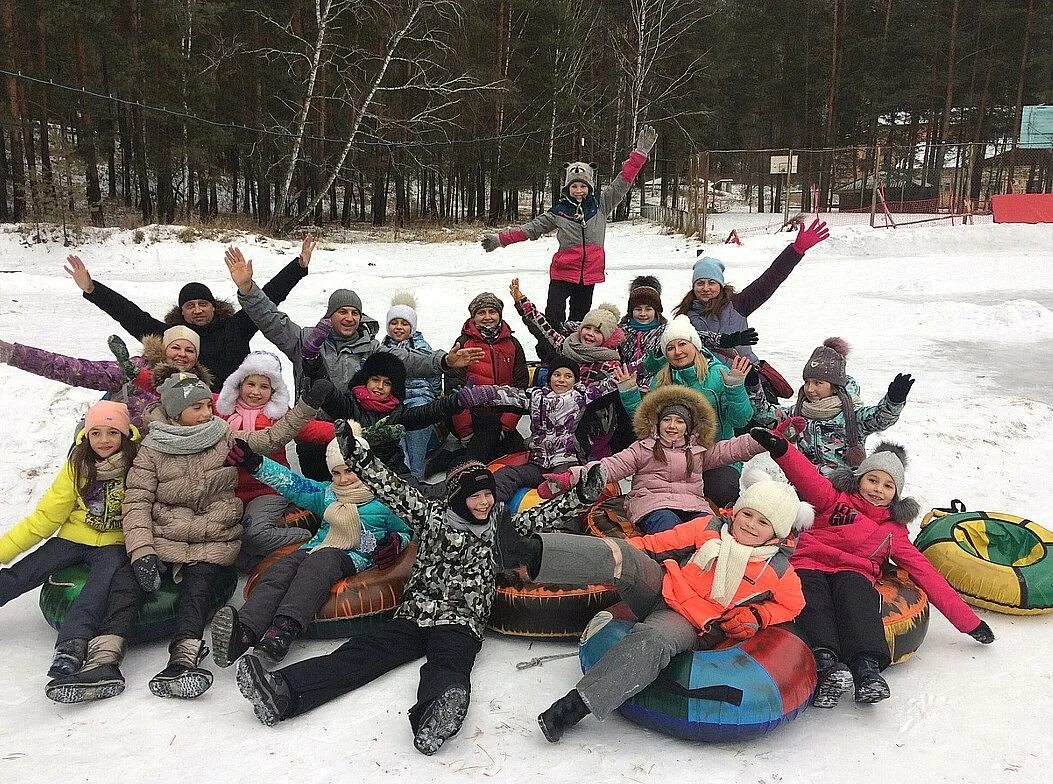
x=182, y=508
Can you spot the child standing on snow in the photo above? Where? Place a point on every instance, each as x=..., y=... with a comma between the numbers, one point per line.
x=402, y=333
x=836, y=421
x=180, y=513
x=725, y=577
x=444, y=608
x=861, y=522
x=357, y=533
x=579, y=219
x=80, y=516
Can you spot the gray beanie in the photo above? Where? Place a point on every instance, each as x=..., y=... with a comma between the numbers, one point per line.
x=343, y=298
x=180, y=391
x=890, y=458
x=681, y=411
x=579, y=171
x=827, y=363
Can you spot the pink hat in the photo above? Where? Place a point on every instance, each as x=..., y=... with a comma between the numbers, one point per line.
x=108, y=413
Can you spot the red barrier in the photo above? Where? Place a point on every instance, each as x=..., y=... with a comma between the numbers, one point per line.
x=1022, y=208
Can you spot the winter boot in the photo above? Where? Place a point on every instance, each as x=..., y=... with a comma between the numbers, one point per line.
x=99, y=678
x=182, y=677
x=870, y=686
x=563, y=714
x=69, y=657
x=229, y=638
x=511, y=547
x=267, y=691
x=442, y=719
x=591, y=483
x=833, y=677
x=276, y=641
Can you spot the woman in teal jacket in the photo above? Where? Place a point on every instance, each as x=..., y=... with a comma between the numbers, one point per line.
x=357, y=533
x=684, y=363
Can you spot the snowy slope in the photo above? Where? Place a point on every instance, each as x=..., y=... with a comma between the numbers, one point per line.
x=969, y=310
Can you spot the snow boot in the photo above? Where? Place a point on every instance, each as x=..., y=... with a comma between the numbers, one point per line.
x=229, y=638
x=69, y=657
x=98, y=679
x=870, y=686
x=591, y=483
x=563, y=714
x=276, y=641
x=442, y=719
x=512, y=548
x=182, y=677
x=833, y=677
x=267, y=691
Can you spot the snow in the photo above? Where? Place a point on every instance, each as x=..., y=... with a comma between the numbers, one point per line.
x=967, y=310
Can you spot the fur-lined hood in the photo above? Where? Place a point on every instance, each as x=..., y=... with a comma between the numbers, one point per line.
x=224, y=310
x=704, y=427
x=259, y=363
x=154, y=354
x=902, y=510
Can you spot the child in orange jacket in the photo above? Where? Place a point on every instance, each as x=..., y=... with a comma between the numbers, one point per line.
x=715, y=576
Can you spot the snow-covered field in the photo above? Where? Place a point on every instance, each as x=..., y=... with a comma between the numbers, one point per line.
x=967, y=310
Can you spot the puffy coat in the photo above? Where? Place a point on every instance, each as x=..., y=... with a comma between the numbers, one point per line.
x=105, y=376
x=851, y=534
x=580, y=228
x=377, y=520
x=637, y=345
x=182, y=508
x=224, y=341
x=504, y=364
x=418, y=390
x=771, y=587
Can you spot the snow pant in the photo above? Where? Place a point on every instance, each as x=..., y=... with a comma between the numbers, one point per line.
x=488, y=441
x=312, y=461
x=721, y=485
x=263, y=534
x=664, y=519
x=415, y=445
x=295, y=587
x=634, y=662
x=197, y=581
x=842, y=612
x=559, y=292
x=449, y=651
x=512, y=478
x=84, y=616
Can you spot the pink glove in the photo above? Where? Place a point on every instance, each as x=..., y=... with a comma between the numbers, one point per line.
x=561, y=479
x=810, y=237
x=791, y=428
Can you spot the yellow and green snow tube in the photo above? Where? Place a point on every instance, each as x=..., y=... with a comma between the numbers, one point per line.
x=995, y=560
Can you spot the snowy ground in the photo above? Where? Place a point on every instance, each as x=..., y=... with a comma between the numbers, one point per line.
x=968, y=310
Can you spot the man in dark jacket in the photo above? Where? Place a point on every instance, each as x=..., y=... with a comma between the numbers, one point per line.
x=224, y=332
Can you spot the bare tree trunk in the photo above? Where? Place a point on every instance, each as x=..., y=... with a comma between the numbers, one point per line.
x=949, y=94
x=45, y=141
x=86, y=136
x=1018, y=112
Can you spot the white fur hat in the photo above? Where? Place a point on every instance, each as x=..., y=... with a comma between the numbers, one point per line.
x=403, y=306
x=775, y=500
x=257, y=363
x=680, y=328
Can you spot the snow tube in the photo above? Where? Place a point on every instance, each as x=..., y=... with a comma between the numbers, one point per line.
x=904, y=614
x=156, y=619
x=607, y=517
x=353, y=603
x=727, y=694
x=995, y=560
x=548, y=611
x=295, y=517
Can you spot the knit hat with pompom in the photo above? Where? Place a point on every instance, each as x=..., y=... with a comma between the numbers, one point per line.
x=828, y=361
x=403, y=306
x=603, y=318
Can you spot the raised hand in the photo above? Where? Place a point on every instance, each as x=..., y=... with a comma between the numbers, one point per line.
x=513, y=289
x=646, y=140
x=239, y=267
x=119, y=349
x=810, y=237
x=80, y=274
x=312, y=347
x=747, y=337
x=623, y=375
x=306, y=249
x=458, y=357
x=318, y=392
x=243, y=456
x=775, y=445
x=900, y=388
x=736, y=377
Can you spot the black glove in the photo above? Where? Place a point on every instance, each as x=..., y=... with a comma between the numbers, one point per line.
x=747, y=337
x=148, y=572
x=242, y=456
x=983, y=633
x=900, y=388
x=775, y=445
x=319, y=391
x=354, y=452
x=591, y=483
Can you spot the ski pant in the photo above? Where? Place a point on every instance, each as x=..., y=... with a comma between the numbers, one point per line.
x=415, y=446
x=449, y=651
x=842, y=613
x=635, y=661
x=87, y=610
x=512, y=478
x=312, y=461
x=488, y=441
x=295, y=587
x=262, y=532
x=721, y=485
x=559, y=292
x=664, y=519
x=197, y=581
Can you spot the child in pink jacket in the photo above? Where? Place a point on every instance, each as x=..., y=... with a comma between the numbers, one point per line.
x=860, y=523
x=675, y=427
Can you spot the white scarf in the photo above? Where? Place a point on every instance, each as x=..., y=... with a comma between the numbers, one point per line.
x=345, y=525
x=731, y=559
x=827, y=408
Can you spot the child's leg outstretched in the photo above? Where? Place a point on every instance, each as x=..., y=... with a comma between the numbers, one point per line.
x=626, y=669
x=262, y=534
x=33, y=569
x=303, y=686
x=445, y=686
x=664, y=519
x=512, y=478
x=857, y=607
x=182, y=677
